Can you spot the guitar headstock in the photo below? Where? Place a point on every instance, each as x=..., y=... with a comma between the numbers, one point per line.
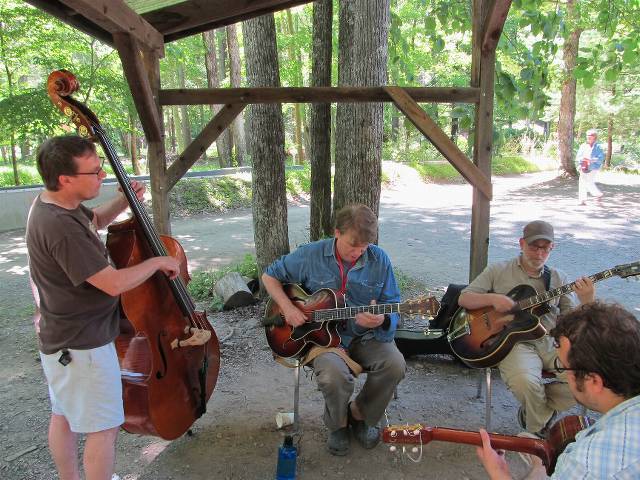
x=406, y=434
x=422, y=305
x=627, y=270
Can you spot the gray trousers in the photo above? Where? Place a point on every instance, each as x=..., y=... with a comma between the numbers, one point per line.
x=384, y=366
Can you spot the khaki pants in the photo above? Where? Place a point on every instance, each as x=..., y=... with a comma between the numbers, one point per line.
x=522, y=369
x=385, y=368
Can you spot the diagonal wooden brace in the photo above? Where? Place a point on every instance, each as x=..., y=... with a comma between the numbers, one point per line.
x=440, y=140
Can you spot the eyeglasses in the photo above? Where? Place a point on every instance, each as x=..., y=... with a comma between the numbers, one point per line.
x=558, y=367
x=545, y=249
x=96, y=173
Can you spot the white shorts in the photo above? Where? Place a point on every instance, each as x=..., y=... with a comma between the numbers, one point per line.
x=88, y=391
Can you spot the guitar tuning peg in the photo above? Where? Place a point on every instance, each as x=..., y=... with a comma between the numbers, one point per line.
x=414, y=450
x=393, y=448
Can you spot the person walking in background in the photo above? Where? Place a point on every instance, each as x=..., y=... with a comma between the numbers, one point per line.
x=588, y=162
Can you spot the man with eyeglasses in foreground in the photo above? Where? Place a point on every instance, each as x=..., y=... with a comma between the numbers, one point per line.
x=78, y=292
x=522, y=368
x=597, y=345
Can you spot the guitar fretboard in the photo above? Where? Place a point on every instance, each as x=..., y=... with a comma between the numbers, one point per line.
x=563, y=290
x=351, y=312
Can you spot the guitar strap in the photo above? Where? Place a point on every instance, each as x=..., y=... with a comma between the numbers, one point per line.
x=546, y=277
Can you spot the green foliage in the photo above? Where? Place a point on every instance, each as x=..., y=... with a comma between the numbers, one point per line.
x=409, y=286
x=512, y=164
x=28, y=176
x=201, y=286
x=209, y=195
x=298, y=181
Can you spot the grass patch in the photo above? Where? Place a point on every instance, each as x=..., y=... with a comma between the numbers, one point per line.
x=409, y=286
x=28, y=175
x=209, y=195
x=511, y=164
x=202, y=282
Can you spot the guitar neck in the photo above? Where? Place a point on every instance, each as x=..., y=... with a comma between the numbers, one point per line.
x=557, y=292
x=334, y=314
x=537, y=447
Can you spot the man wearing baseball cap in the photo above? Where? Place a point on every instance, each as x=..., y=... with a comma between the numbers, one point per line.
x=522, y=368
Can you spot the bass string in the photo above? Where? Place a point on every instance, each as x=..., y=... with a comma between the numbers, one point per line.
x=177, y=284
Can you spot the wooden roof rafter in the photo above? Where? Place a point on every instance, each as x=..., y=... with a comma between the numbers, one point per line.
x=103, y=19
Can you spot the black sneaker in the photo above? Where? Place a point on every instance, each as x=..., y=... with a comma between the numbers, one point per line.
x=338, y=442
x=368, y=436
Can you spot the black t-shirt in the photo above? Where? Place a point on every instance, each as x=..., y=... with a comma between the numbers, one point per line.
x=64, y=250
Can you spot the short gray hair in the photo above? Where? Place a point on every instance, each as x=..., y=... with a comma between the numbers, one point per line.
x=592, y=131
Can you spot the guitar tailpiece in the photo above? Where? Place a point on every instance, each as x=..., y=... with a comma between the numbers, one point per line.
x=414, y=460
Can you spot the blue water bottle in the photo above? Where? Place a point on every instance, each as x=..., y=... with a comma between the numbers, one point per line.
x=287, y=454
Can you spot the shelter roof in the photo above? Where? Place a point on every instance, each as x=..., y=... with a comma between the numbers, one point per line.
x=173, y=19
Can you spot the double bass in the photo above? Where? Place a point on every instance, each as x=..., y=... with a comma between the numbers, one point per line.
x=168, y=352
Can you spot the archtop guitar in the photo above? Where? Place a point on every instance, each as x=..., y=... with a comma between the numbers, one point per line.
x=483, y=337
x=325, y=309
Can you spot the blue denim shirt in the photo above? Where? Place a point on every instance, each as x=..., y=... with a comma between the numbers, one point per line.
x=314, y=266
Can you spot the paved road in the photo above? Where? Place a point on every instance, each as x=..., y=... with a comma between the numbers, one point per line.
x=425, y=229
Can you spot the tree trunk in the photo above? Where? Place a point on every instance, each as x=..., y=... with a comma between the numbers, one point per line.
x=359, y=141
x=568, y=98
x=222, y=53
x=213, y=81
x=607, y=158
x=14, y=160
x=265, y=141
x=133, y=145
x=235, y=77
x=173, y=142
x=294, y=54
x=320, y=123
x=184, y=113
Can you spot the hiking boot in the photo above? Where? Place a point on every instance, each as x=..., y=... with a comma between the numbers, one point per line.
x=368, y=436
x=542, y=433
x=338, y=442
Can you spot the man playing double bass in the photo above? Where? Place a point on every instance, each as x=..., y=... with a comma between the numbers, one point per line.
x=78, y=290
x=522, y=368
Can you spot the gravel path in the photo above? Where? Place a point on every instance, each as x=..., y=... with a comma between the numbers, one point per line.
x=426, y=228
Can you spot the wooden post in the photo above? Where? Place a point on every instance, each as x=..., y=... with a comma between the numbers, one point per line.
x=156, y=155
x=482, y=71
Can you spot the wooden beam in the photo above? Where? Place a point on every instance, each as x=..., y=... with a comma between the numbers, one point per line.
x=440, y=140
x=71, y=17
x=494, y=24
x=131, y=56
x=211, y=96
x=195, y=16
x=115, y=16
x=483, y=74
x=207, y=136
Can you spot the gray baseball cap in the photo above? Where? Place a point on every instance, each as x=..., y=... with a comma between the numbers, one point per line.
x=537, y=230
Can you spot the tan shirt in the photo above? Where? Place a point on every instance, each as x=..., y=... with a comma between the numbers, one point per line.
x=502, y=277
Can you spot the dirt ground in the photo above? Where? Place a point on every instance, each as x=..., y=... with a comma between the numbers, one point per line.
x=425, y=229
